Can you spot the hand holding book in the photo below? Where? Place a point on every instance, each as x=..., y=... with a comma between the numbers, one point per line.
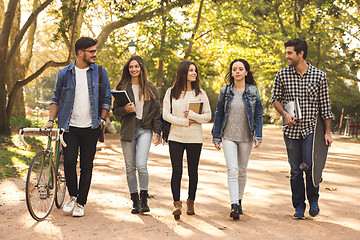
x=196, y=106
x=121, y=97
x=293, y=113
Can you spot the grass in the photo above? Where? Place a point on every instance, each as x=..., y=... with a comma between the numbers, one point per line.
x=14, y=157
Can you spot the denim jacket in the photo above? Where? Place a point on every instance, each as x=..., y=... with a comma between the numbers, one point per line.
x=253, y=108
x=64, y=94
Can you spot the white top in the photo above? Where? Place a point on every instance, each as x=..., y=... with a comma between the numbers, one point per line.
x=180, y=130
x=81, y=114
x=139, y=105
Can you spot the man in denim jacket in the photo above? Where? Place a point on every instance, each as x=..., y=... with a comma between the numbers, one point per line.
x=76, y=103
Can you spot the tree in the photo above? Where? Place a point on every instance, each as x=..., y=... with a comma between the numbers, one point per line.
x=8, y=97
x=256, y=31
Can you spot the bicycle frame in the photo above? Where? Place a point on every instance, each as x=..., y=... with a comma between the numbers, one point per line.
x=45, y=184
x=58, y=142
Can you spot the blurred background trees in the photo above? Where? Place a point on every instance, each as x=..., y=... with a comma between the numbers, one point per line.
x=209, y=32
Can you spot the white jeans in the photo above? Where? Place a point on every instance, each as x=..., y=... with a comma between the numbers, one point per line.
x=237, y=157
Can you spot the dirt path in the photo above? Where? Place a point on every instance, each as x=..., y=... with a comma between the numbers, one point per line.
x=267, y=201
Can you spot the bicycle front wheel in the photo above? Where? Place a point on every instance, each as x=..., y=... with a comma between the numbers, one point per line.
x=41, y=186
x=61, y=181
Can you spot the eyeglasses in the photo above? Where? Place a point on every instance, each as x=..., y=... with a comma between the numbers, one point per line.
x=92, y=52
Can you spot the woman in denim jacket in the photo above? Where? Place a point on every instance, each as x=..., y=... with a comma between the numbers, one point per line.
x=238, y=123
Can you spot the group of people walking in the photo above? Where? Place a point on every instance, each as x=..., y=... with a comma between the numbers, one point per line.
x=82, y=102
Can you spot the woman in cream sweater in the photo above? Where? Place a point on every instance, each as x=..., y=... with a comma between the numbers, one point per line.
x=186, y=131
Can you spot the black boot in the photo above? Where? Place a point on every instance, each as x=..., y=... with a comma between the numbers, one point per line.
x=234, y=211
x=135, y=199
x=240, y=208
x=144, y=204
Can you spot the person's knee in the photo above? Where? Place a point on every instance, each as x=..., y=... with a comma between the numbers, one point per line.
x=242, y=172
x=142, y=168
x=130, y=168
x=233, y=172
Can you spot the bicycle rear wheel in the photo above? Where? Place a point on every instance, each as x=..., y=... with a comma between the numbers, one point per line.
x=40, y=186
x=61, y=181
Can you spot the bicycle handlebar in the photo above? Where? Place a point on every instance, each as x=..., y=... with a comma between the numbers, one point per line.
x=59, y=131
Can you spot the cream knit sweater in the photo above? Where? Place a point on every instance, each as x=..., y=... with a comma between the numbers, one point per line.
x=180, y=130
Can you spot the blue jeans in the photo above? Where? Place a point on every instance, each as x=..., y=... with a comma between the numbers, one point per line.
x=300, y=150
x=136, y=155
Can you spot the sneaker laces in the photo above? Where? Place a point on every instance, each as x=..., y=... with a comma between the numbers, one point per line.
x=79, y=205
x=71, y=200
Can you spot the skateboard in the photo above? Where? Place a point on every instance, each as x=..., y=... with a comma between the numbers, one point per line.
x=319, y=151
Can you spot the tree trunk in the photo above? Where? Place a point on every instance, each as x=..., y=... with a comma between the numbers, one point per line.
x=160, y=75
x=30, y=41
x=192, y=39
x=4, y=41
x=16, y=69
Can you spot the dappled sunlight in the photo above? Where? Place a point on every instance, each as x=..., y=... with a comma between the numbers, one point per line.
x=266, y=204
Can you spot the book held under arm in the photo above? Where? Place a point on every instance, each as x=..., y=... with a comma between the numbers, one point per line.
x=121, y=97
x=293, y=108
x=196, y=106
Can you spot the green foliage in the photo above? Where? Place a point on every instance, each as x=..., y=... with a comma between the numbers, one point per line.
x=16, y=123
x=39, y=123
x=253, y=30
x=256, y=31
x=39, y=93
x=117, y=125
x=14, y=159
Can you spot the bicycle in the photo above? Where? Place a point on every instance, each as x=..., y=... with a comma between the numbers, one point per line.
x=45, y=182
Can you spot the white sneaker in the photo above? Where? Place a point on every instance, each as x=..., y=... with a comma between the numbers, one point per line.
x=78, y=210
x=69, y=205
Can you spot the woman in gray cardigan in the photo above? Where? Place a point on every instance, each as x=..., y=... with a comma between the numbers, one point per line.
x=139, y=119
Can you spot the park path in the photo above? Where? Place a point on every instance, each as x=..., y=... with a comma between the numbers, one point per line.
x=266, y=204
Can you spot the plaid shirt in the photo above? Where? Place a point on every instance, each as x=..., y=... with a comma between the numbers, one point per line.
x=312, y=92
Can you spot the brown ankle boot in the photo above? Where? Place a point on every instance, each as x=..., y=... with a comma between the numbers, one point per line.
x=190, y=207
x=177, y=209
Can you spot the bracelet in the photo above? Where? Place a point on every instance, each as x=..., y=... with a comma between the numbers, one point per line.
x=52, y=121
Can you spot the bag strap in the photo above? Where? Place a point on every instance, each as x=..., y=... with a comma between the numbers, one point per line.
x=100, y=88
x=170, y=103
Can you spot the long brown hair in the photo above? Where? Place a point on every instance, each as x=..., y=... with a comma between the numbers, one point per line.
x=249, y=79
x=181, y=80
x=145, y=90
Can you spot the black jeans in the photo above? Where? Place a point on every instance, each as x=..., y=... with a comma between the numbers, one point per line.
x=193, y=151
x=300, y=150
x=86, y=140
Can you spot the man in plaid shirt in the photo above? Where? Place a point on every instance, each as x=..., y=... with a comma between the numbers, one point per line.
x=304, y=82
